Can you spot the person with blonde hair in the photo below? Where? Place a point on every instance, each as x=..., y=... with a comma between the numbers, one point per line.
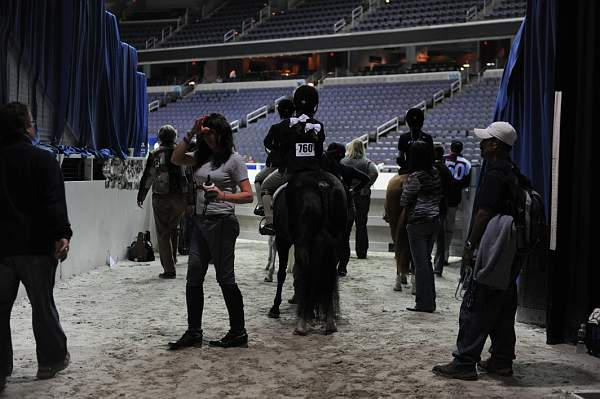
x=355, y=158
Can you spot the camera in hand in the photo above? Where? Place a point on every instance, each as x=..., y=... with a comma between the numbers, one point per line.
x=209, y=196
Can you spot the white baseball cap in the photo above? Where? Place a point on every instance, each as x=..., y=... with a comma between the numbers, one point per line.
x=503, y=131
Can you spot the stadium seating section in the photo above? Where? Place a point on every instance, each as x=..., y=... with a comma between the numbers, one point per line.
x=137, y=34
x=234, y=104
x=312, y=17
x=347, y=111
x=212, y=30
x=316, y=17
x=454, y=118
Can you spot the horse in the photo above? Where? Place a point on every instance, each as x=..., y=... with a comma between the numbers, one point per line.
x=311, y=215
x=397, y=217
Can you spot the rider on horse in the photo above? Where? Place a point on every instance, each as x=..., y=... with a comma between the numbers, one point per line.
x=301, y=148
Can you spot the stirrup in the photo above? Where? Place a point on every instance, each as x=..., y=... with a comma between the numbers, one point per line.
x=265, y=229
x=259, y=210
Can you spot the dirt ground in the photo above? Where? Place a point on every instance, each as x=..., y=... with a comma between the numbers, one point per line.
x=119, y=320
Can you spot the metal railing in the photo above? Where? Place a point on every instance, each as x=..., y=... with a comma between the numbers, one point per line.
x=165, y=33
x=455, y=86
x=364, y=138
x=392, y=124
x=339, y=25
x=235, y=125
x=254, y=115
x=154, y=105
x=150, y=42
x=357, y=14
x=438, y=97
x=247, y=24
x=229, y=35
x=264, y=14
x=422, y=106
x=471, y=13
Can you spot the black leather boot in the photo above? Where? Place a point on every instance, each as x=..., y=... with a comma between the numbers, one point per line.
x=194, y=297
x=237, y=336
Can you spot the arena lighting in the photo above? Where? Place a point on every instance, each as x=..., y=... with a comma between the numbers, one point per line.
x=462, y=69
x=466, y=66
x=192, y=83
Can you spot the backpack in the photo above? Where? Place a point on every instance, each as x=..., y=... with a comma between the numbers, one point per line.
x=528, y=211
x=169, y=178
x=141, y=249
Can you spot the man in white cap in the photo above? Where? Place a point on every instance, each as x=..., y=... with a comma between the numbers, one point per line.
x=488, y=307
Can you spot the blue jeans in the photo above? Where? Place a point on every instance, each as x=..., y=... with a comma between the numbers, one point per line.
x=421, y=238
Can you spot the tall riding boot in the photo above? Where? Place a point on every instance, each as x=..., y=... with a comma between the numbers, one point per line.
x=259, y=209
x=258, y=185
x=267, y=228
x=268, y=205
x=194, y=297
x=237, y=335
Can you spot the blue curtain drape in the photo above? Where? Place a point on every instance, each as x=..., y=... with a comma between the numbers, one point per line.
x=526, y=95
x=73, y=52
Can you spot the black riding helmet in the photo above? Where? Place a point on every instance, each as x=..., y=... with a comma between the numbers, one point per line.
x=285, y=108
x=167, y=134
x=414, y=118
x=306, y=100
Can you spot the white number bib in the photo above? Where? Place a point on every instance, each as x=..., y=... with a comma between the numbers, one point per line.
x=305, y=149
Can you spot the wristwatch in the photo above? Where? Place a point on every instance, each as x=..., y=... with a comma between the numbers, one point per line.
x=468, y=245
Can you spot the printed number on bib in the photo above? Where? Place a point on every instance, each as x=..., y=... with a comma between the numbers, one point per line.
x=305, y=149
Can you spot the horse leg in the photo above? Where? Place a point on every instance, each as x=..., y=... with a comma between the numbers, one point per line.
x=303, y=281
x=272, y=260
x=282, y=248
x=271, y=239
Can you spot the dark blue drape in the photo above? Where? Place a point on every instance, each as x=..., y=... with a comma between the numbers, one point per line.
x=526, y=95
x=73, y=53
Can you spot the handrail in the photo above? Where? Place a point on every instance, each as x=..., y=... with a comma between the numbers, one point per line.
x=455, y=86
x=247, y=24
x=228, y=36
x=262, y=111
x=438, y=96
x=471, y=13
x=235, y=125
x=150, y=42
x=364, y=138
x=276, y=102
x=356, y=14
x=264, y=13
x=339, y=25
x=422, y=106
x=392, y=124
x=153, y=105
x=169, y=29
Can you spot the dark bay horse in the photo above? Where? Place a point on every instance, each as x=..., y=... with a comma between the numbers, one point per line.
x=311, y=215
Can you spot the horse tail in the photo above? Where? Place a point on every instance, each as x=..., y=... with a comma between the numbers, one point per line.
x=323, y=266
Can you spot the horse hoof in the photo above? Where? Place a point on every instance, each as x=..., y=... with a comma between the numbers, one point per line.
x=330, y=328
x=301, y=327
x=274, y=314
x=268, y=279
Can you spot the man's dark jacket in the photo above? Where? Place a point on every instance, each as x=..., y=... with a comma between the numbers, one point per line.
x=33, y=209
